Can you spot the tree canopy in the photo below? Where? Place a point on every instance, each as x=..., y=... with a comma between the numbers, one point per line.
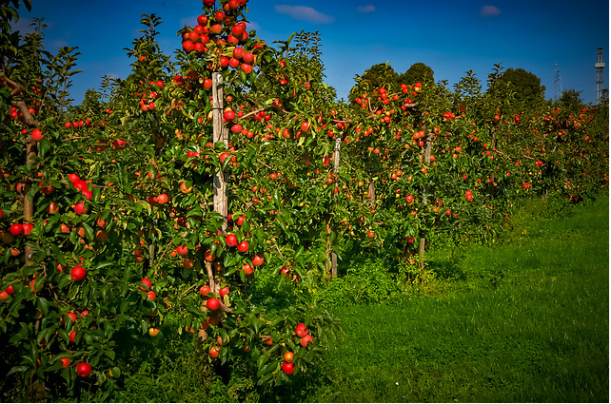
x=374, y=77
x=418, y=72
x=526, y=87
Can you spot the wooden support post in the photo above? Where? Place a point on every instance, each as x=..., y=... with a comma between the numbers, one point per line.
x=219, y=134
x=427, y=161
x=336, y=155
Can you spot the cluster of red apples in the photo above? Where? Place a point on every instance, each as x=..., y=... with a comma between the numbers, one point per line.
x=218, y=36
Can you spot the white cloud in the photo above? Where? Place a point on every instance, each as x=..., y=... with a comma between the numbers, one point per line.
x=369, y=8
x=250, y=25
x=23, y=26
x=490, y=11
x=188, y=21
x=58, y=43
x=303, y=13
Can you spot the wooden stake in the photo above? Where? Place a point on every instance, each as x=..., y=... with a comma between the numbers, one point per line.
x=427, y=161
x=219, y=135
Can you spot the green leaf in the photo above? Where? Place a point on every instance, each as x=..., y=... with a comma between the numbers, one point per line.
x=43, y=305
x=43, y=146
x=262, y=360
x=17, y=369
x=103, y=265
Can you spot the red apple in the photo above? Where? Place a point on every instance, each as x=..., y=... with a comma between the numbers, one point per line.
x=257, y=260
x=37, y=135
x=306, y=340
x=147, y=283
x=288, y=368
x=78, y=273
x=231, y=240
x=16, y=229
x=243, y=246
x=83, y=369
x=213, y=303
x=301, y=330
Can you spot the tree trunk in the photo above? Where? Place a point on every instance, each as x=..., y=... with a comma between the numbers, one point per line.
x=372, y=193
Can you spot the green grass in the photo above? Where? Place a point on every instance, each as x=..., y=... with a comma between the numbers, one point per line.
x=525, y=321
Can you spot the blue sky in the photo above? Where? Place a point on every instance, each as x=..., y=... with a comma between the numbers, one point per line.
x=449, y=36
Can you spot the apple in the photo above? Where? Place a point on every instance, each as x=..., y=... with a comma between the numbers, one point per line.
x=151, y=295
x=16, y=229
x=209, y=256
x=72, y=316
x=147, y=283
x=188, y=46
x=182, y=250
x=243, y=246
x=153, y=331
x=288, y=368
x=4, y=295
x=204, y=290
x=37, y=135
x=224, y=291
x=186, y=187
x=247, y=268
x=241, y=220
x=65, y=362
x=301, y=330
x=288, y=357
x=83, y=369
x=80, y=209
x=246, y=68
x=248, y=58
x=231, y=240
x=305, y=340
x=78, y=273
x=257, y=260
x=213, y=303
x=162, y=199
x=237, y=30
x=118, y=144
x=214, y=352
x=224, y=156
x=10, y=290
x=238, y=53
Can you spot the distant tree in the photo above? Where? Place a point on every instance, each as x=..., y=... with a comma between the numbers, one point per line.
x=468, y=91
x=418, y=72
x=604, y=97
x=526, y=87
x=373, y=78
x=571, y=102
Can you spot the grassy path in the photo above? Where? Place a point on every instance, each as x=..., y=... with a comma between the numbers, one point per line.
x=537, y=331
